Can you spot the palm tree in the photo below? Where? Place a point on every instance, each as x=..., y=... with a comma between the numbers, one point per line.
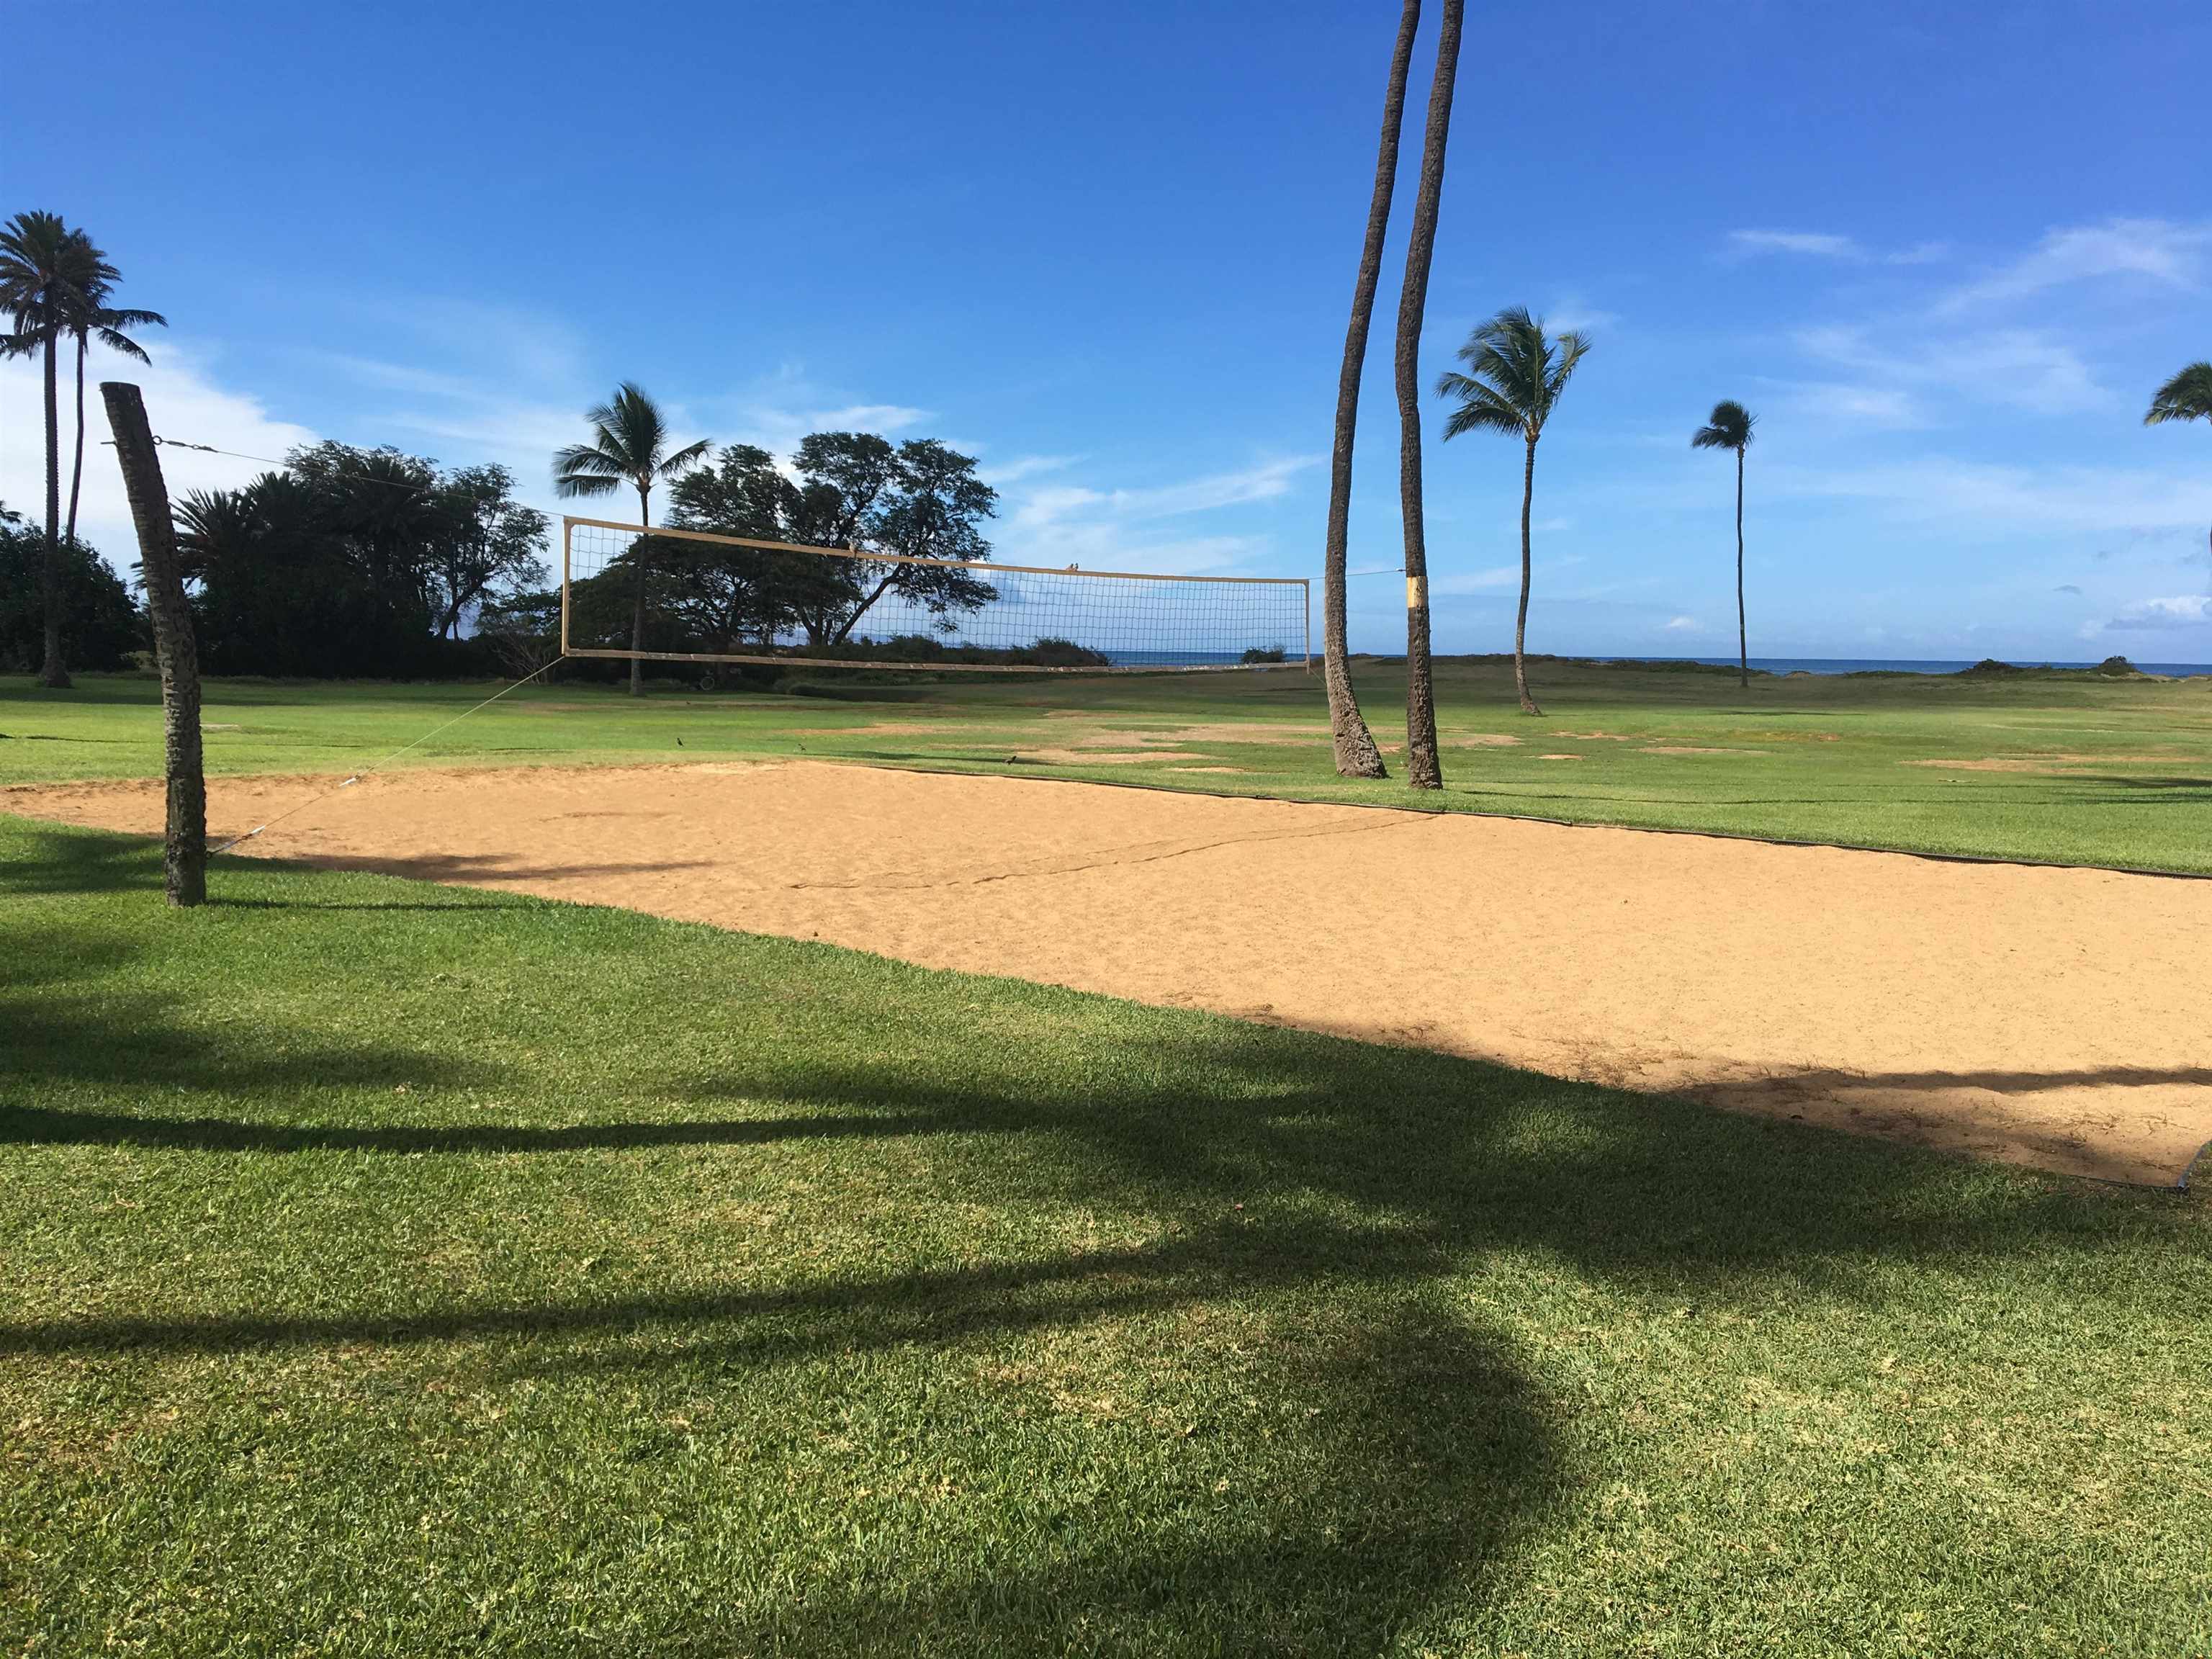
x=92, y=283
x=36, y=257
x=1356, y=754
x=2187, y=396
x=1423, y=768
x=628, y=437
x=1728, y=427
x=1515, y=374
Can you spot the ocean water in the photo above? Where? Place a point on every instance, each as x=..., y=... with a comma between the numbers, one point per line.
x=1771, y=664
x=1902, y=664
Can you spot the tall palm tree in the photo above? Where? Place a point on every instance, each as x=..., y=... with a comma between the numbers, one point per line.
x=2187, y=396
x=1356, y=754
x=92, y=283
x=36, y=257
x=628, y=439
x=1423, y=768
x=1515, y=375
x=1728, y=427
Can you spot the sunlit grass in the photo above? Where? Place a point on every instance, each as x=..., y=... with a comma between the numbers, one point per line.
x=2067, y=768
x=394, y=1269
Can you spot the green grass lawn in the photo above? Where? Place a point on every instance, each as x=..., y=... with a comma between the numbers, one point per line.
x=397, y=1269
x=2071, y=769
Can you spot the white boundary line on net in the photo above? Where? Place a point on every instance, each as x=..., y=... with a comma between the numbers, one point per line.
x=387, y=760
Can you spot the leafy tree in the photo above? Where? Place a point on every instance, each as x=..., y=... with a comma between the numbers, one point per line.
x=90, y=315
x=104, y=626
x=1356, y=754
x=725, y=595
x=37, y=257
x=1423, y=770
x=2187, y=396
x=920, y=500
x=382, y=508
x=628, y=445
x=483, y=539
x=933, y=514
x=1728, y=427
x=524, y=628
x=1515, y=376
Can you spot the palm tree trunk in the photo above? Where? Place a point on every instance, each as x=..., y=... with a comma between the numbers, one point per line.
x=76, y=466
x=52, y=674
x=183, y=850
x=1357, y=756
x=1742, y=638
x=638, y=610
x=1520, y=622
x=1423, y=768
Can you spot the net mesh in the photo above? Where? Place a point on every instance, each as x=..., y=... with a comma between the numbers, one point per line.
x=689, y=596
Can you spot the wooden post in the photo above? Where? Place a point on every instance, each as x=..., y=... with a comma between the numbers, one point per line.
x=184, y=861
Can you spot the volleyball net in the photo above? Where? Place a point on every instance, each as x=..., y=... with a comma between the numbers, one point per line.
x=692, y=596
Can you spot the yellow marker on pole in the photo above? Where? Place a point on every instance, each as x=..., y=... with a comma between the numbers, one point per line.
x=1414, y=598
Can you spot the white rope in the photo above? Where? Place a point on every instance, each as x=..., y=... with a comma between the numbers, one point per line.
x=387, y=760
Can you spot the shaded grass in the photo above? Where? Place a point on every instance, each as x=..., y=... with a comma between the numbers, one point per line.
x=397, y=1269
x=2065, y=768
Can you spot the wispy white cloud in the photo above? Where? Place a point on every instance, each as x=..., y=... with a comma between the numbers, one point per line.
x=2160, y=251
x=1131, y=529
x=1819, y=245
x=185, y=399
x=2011, y=367
x=2180, y=610
x=1829, y=245
x=1975, y=498
x=1682, y=625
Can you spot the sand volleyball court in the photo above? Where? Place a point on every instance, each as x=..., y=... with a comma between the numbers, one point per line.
x=2055, y=1018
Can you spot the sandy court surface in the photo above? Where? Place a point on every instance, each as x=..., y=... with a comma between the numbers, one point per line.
x=2056, y=1017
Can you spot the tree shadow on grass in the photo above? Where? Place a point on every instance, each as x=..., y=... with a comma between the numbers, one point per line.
x=1326, y=1195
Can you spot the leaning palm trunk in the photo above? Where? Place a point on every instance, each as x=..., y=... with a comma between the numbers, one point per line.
x=1423, y=768
x=184, y=861
x=53, y=673
x=1356, y=754
x=1520, y=622
x=638, y=610
x=76, y=466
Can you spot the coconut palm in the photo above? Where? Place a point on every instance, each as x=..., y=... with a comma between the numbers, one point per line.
x=1515, y=376
x=37, y=259
x=1423, y=768
x=1356, y=754
x=1728, y=427
x=2187, y=396
x=628, y=439
x=90, y=317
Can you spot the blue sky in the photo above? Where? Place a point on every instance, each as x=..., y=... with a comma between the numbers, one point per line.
x=1945, y=252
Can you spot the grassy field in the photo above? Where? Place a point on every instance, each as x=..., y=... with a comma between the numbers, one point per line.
x=2072, y=768
x=397, y=1269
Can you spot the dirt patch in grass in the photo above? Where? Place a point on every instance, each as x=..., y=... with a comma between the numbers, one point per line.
x=2045, y=765
x=1571, y=757
x=1801, y=982
x=1690, y=749
x=1083, y=757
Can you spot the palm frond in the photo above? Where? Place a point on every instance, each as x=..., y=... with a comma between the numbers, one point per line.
x=690, y=455
x=2187, y=396
x=117, y=341
x=1515, y=374
x=581, y=469
x=1728, y=427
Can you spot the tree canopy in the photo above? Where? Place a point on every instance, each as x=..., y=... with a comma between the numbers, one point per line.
x=353, y=562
